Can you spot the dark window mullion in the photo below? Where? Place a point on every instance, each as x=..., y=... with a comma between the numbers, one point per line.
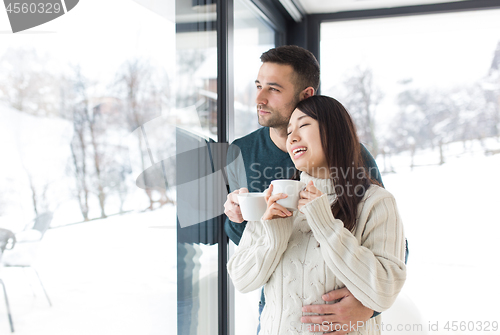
x=225, y=126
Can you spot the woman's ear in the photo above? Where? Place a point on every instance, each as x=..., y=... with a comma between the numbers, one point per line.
x=306, y=93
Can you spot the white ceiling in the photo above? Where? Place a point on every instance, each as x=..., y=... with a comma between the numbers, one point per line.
x=186, y=12
x=331, y=6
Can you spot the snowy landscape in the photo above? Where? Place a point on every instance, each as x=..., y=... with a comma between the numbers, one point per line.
x=118, y=275
x=70, y=110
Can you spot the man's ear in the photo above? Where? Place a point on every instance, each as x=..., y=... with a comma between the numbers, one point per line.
x=306, y=93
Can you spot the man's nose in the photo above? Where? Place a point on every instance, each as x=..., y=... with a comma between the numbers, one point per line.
x=261, y=98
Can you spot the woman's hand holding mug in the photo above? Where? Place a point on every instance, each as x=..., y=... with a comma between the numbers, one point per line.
x=275, y=210
x=308, y=194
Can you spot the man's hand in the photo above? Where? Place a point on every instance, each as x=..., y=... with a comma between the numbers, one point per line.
x=341, y=317
x=232, y=206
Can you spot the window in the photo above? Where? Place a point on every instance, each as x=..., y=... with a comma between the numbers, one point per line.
x=196, y=114
x=73, y=92
x=424, y=91
x=252, y=37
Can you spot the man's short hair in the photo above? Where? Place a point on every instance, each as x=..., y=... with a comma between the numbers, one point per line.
x=303, y=62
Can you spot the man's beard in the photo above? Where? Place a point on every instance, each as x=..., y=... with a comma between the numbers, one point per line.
x=273, y=120
x=276, y=119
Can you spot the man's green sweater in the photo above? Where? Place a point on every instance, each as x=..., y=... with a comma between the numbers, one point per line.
x=261, y=162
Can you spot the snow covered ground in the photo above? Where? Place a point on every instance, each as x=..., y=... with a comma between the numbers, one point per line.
x=113, y=276
x=452, y=223
x=118, y=275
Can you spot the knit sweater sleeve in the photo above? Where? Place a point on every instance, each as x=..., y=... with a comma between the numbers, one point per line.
x=372, y=269
x=259, y=252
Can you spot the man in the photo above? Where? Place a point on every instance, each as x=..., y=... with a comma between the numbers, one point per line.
x=288, y=75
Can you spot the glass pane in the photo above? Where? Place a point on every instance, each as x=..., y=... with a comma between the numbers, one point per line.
x=425, y=93
x=252, y=37
x=196, y=117
x=79, y=97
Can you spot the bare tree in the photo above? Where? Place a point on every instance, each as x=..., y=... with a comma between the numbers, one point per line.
x=75, y=100
x=430, y=118
x=87, y=147
x=39, y=198
x=491, y=86
x=413, y=126
x=144, y=89
x=361, y=97
x=92, y=116
x=78, y=149
x=27, y=84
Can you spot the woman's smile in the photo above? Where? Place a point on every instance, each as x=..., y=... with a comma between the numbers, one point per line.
x=298, y=151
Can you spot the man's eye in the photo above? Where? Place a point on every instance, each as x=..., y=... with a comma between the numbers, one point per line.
x=273, y=89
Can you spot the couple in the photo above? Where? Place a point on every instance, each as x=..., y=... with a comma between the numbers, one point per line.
x=340, y=258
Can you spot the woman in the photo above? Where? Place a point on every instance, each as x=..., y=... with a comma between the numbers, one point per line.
x=347, y=231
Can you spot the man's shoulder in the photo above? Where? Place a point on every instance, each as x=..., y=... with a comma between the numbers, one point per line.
x=255, y=135
x=253, y=140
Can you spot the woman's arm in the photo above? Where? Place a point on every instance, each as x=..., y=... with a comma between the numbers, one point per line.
x=373, y=270
x=258, y=254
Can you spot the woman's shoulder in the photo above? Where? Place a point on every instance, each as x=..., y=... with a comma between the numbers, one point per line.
x=376, y=193
x=376, y=200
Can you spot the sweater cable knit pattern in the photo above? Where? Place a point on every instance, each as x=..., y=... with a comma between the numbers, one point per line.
x=300, y=258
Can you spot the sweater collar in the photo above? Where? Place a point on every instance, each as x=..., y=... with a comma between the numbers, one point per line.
x=324, y=185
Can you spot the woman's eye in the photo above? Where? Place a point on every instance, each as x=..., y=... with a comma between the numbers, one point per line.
x=305, y=124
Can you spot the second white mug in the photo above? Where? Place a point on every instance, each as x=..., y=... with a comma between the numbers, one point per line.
x=252, y=205
x=291, y=188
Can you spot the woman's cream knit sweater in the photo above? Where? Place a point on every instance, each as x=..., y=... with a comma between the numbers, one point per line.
x=304, y=256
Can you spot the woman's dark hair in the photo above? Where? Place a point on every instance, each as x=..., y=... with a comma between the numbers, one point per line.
x=303, y=62
x=343, y=154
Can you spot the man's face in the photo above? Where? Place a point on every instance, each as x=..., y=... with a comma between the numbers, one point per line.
x=276, y=95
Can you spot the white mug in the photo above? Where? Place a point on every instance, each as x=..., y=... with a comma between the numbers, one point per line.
x=291, y=188
x=252, y=205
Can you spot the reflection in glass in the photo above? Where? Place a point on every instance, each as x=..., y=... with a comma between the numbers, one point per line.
x=196, y=113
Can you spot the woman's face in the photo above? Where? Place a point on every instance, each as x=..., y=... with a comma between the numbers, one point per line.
x=304, y=145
